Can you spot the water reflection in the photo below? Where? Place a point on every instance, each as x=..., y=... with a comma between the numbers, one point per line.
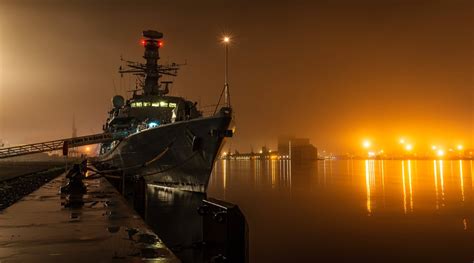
x=224, y=172
x=436, y=183
x=378, y=177
x=398, y=207
x=441, y=177
x=172, y=214
x=461, y=177
x=383, y=179
x=273, y=164
x=404, y=188
x=410, y=184
x=367, y=185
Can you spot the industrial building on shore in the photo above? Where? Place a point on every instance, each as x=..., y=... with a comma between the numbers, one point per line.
x=289, y=148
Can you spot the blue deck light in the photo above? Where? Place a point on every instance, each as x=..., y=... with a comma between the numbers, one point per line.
x=153, y=124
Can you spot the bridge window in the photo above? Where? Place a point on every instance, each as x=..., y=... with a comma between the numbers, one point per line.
x=155, y=104
x=146, y=104
x=139, y=104
x=172, y=105
x=163, y=104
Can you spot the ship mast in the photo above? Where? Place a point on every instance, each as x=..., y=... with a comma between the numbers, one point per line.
x=151, y=72
x=152, y=45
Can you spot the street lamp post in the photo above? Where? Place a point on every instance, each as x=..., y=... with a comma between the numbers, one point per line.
x=226, y=41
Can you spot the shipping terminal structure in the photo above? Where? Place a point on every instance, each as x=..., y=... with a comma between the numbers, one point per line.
x=165, y=139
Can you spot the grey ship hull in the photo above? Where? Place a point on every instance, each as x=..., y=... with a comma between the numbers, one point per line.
x=179, y=155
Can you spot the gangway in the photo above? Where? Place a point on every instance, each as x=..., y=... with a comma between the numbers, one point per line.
x=63, y=144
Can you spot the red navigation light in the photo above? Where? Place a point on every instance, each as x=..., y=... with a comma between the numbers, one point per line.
x=143, y=42
x=160, y=43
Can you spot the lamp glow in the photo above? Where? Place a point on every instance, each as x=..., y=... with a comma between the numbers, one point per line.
x=366, y=144
x=152, y=124
x=409, y=147
x=459, y=147
x=226, y=39
x=440, y=153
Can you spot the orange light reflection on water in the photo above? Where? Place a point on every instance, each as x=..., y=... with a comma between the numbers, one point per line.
x=441, y=177
x=367, y=185
x=410, y=185
x=435, y=169
x=404, y=188
x=461, y=177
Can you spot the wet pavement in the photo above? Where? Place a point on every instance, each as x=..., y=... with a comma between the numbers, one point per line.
x=46, y=226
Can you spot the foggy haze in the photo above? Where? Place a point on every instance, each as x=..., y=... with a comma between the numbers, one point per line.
x=333, y=72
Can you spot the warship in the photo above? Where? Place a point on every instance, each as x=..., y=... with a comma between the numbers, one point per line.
x=165, y=139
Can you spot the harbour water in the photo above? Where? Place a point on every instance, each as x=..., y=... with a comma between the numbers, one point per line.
x=337, y=211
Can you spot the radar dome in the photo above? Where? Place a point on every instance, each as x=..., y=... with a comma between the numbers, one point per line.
x=118, y=101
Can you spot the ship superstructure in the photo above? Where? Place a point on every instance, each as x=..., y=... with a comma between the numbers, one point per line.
x=166, y=139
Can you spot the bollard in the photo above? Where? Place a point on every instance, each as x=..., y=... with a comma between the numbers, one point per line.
x=139, y=196
x=225, y=232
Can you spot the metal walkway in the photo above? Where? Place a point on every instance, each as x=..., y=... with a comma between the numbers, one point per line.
x=59, y=144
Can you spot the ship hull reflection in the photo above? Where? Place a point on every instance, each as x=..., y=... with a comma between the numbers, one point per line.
x=173, y=215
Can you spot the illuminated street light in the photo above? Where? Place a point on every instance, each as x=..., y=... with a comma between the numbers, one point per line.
x=434, y=147
x=459, y=147
x=366, y=144
x=402, y=141
x=440, y=153
x=226, y=41
x=409, y=147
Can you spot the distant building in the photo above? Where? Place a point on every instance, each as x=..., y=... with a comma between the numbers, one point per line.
x=289, y=147
x=296, y=148
x=469, y=153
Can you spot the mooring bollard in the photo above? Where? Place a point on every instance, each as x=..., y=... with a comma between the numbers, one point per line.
x=139, y=196
x=225, y=232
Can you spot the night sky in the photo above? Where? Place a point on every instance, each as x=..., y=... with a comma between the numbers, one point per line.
x=333, y=71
